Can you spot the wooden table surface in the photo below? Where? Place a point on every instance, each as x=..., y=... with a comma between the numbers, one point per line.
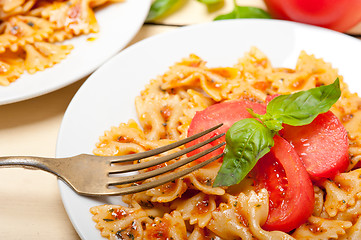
x=30, y=202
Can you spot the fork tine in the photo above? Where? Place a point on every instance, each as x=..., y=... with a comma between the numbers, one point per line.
x=134, y=167
x=156, y=172
x=141, y=155
x=162, y=180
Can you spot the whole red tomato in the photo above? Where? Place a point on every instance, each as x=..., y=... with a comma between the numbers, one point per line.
x=339, y=15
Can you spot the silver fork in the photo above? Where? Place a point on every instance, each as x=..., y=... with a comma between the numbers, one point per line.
x=92, y=175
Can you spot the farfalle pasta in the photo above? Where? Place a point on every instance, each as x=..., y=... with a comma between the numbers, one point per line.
x=190, y=207
x=34, y=31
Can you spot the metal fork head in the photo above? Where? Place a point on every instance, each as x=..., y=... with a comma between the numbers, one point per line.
x=99, y=175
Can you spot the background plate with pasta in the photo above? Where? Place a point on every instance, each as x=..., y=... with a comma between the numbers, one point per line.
x=120, y=80
x=118, y=24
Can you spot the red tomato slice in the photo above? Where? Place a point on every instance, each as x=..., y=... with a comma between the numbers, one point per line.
x=338, y=15
x=316, y=143
x=226, y=113
x=322, y=145
x=289, y=186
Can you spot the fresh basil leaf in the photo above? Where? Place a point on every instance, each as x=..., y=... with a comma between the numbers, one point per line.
x=210, y=2
x=302, y=108
x=272, y=124
x=160, y=8
x=231, y=15
x=247, y=141
x=244, y=12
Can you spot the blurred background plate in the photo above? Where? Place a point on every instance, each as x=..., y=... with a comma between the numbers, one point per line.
x=118, y=22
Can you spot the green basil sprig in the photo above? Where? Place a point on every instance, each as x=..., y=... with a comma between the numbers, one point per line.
x=249, y=139
x=244, y=12
x=160, y=7
x=210, y=2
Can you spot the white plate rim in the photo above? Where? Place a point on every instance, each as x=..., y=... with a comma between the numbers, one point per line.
x=129, y=16
x=68, y=195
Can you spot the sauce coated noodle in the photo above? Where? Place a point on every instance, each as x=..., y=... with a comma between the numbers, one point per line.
x=189, y=208
x=32, y=32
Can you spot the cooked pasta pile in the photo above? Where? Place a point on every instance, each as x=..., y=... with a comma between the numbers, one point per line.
x=189, y=207
x=31, y=32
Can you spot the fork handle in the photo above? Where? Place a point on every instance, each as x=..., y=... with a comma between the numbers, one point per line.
x=29, y=162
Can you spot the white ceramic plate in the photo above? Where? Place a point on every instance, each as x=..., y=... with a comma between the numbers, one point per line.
x=118, y=22
x=107, y=97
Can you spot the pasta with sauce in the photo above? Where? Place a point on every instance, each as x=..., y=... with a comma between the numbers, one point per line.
x=189, y=207
x=32, y=32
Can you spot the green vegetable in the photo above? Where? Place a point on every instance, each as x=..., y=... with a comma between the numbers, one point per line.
x=244, y=12
x=210, y=2
x=249, y=139
x=159, y=8
x=302, y=108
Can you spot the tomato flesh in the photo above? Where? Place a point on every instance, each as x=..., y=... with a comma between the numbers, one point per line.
x=289, y=186
x=281, y=171
x=226, y=113
x=322, y=145
x=339, y=15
